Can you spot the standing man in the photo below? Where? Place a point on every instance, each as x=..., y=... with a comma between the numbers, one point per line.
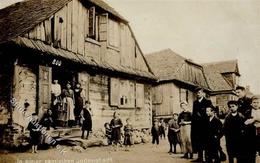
x=199, y=124
x=244, y=103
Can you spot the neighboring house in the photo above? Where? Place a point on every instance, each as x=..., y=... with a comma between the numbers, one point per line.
x=178, y=77
x=222, y=78
x=76, y=41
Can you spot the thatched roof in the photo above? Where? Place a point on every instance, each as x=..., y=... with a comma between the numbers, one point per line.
x=21, y=17
x=168, y=65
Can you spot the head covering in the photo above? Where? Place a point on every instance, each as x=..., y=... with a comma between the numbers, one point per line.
x=240, y=87
x=232, y=102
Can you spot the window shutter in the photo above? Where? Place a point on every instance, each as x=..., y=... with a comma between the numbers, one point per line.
x=103, y=23
x=139, y=95
x=114, y=91
x=157, y=95
x=92, y=22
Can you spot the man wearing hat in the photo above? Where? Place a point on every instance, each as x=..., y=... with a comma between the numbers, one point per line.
x=199, y=123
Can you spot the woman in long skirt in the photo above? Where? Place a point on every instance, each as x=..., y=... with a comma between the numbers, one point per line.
x=69, y=104
x=184, y=121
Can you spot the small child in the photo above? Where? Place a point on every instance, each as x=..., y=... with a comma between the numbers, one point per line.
x=155, y=132
x=108, y=133
x=116, y=124
x=128, y=134
x=174, y=133
x=35, y=133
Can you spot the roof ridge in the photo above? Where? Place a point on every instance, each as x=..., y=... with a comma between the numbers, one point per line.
x=219, y=62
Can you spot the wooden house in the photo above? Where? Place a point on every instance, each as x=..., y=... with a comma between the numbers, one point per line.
x=222, y=77
x=178, y=77
x=84, y=41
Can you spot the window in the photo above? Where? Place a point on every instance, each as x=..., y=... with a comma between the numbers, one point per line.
x=126, y=94
x=113, y=33
x=184, y=95
x=92, y=28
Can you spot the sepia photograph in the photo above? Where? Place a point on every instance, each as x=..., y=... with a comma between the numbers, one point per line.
x=129, y=81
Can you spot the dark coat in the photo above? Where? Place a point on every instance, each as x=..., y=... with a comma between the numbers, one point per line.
x=155, y=131
x=248, y=142
x=214, y=133
x=35, y=133
x=244, y=106
x=233, y=130
x=78, y=102
x=116, y=125
x=87, y=123
x=199, y=124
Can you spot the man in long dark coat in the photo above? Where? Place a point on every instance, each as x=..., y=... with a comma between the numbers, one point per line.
x=199, y=123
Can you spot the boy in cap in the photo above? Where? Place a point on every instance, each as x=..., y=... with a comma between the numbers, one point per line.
x=244, y=102
x=233, y=130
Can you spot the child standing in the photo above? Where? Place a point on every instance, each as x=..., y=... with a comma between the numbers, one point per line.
x=128, y=134
x=233, y=129
x=174, y=133
x=155, y=132
x=116, y=124
x=108, y=133
x=184, y=121
x=214, y=133
x=35, y=133
x=87, y=120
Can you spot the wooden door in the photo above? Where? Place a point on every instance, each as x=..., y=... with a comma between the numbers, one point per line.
x=45, y=78
x=83, y=78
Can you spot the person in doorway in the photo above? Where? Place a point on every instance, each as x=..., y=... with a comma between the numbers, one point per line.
x=214, y=134
x=184, y=121
x=174, y=133
x=69, y=101
x=116, y=124
x=78, y=103
x=35, y=133
x=56, y=100
x=198, y=124
x=87, y=120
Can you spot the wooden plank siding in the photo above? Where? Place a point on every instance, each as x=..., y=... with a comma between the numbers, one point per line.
x=74, y=33
x=69, y=26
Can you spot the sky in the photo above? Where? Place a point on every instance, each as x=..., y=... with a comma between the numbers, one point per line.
x=201, y=30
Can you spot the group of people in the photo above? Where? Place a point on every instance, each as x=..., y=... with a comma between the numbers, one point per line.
x=200, y=130
x=67, y=104
x=113, y=132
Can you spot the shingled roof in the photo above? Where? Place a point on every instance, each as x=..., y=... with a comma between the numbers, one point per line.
x=214, y=70
x=230, y=66
x=21, y=17
x=168, y=65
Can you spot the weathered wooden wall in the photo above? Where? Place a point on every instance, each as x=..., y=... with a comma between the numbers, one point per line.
x=71, y=25
x=24, y=89
x=167, y=98
x=5, y=84
x=103, y=112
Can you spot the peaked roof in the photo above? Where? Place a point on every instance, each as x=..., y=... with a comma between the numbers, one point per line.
x=21, y=17
x=214, y=70
x=230, y=66
x=168, y=65
x=215, y=79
